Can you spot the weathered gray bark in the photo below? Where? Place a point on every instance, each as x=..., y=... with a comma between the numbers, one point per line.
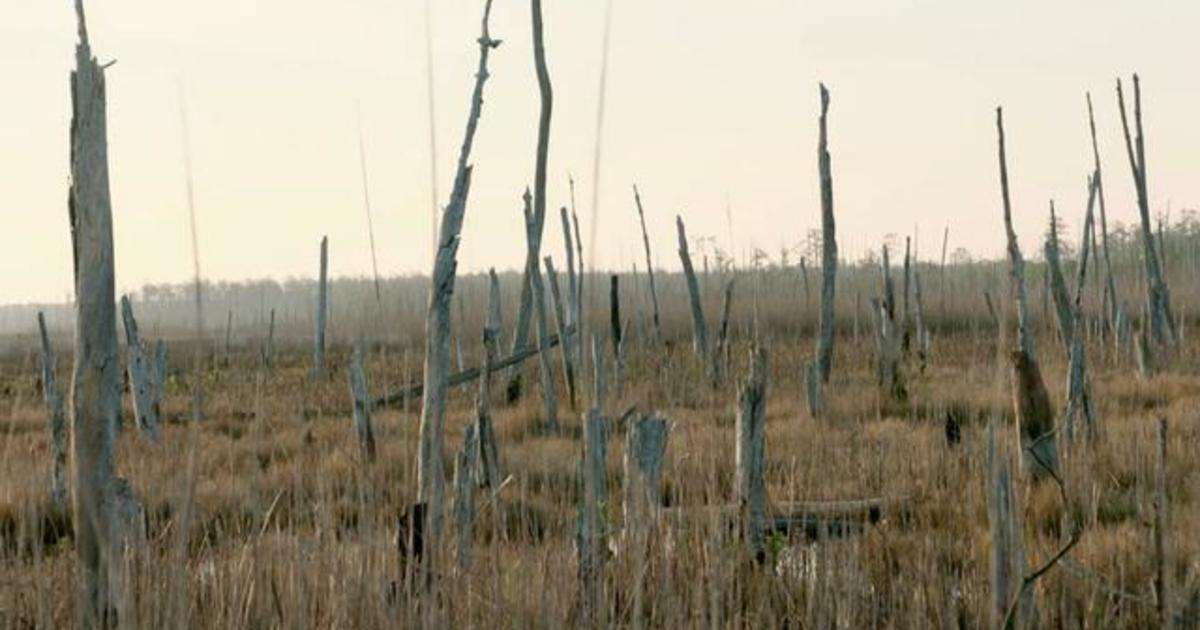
x=812, y=387
x=637, y=198
x=96, y=377
x=549, y=397
x=699, y=329
x=1079, y=388
x=1058, y=286
x=749, y=483
x=488, y=471
x=140, y=381
x=1008, y=550
x=645, y=446
x=534, y=232
x=464, y=499
x=887, y=338
x=579, y=318
x=1016, y=268
x=1158, y=296
x=829, y=251
x=430, y=479
x=322, y=310
x=1111, y=301
x=591, y=532
x=360, y=393
x=561, y=324
x=57, y=417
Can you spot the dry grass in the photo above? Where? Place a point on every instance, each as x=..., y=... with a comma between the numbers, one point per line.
x=291, y=529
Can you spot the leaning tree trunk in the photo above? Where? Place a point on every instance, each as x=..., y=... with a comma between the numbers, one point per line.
x=1016, y=263
x=430, y=477
x=1110, y=284
x=637, y=197
x=1058, y=285
x=565, y=346
x=1079, y=389
x=57, y=417
x=829, y=252
x=96, y=377
x=543, y=327
x=145, y=409
x=1158, y=297
x=699, y=329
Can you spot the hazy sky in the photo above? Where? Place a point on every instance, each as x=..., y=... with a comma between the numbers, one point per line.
x=708, y=101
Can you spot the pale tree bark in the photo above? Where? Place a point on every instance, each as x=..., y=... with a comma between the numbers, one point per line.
x=534, y=235
x=1008, y=550
x=464, y=500
x=1015, y=261
x=360, y=393
x=906, y=333
x=322, y=311
x=549, y=397
x=887, y=338
x=1158, y=296
x=591, y=531
x=699, y=329
x=565, y=346
x=1111, y=301
x=637, y=198
x=96, y=377
x=749, y=484
x=57, y=417
x=140, y=381
x=829, y=251
x=430, y=479
x=1079, y=388
x=645, y=447
x=488, y=470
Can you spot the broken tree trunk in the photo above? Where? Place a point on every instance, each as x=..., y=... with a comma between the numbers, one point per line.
x=464, y=500
x=488, y=472
x=538, y=288
x=360, y=393
x=1058, y=286
x=572, y=278
x=637, y=197
x=887, y=339
x=699, y=330
x=749, y=485
x=1079, y=388
x=1111, y=302
x=141, y=385
x=1016, y=264
x=430, y=479
x=645, y=446
x=1008, y=550
x=561, y=324
x=829, y=252
x=1158, y=297
x=96, y=376
x=57, y=417
x=922, y=332
x=228, y=335
x=590, y=533
x=1162, y=567
x=322, y=310
x=618, y=335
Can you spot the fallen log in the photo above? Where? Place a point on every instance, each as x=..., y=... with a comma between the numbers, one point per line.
x=469, y=375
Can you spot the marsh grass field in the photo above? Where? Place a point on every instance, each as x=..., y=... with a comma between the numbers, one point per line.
x=287, y=525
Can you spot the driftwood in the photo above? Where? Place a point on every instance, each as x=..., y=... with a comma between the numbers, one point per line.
x=96, y=380
x=430, y=476
x=637, y=198
x=57, y=417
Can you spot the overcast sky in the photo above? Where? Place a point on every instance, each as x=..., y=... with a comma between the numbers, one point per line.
x=709, y=103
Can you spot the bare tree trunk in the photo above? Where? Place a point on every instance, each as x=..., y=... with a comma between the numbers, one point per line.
x=922, y=332
x=543, y=327
x=360, y=393
x=144, y=409
x=721, y=354
x=1110, y=284
x=1158, y=297
x=699, y=330
x=618, y=335
x=464, y=499
x=1079, y=389
x=57, y=417
x=1058, y=286
x=906, y=333
x=829, y=250
x=749, y=484
x=645, y=446
x=637, y=197
x=888, y=339
x=534, y=233
x=942, y=272
x=1008, y=551
x=591, y=533
x=1162, y=567
x=96, y=377
x=1016, y=263
x=565, y=347
x=488, y=472
x=430, y=479
x=322, y=310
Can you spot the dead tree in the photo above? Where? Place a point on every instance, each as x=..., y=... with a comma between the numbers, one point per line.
x=572, y=279
x=1111, y=302
x=637, y=197
x=829, y=251
x=922, y=332
x=1162, y=568
x=141, y=385
x=538, y=288
x=699, y=329
x=887, y=339
x=561, y=323
x=430, y=479
x=322, y=310
x=1016, y=264
x=645, y=446
x=1008, y=550
x=57, y=417
x=534, y=231
x=591, y=531
x=906, y=332
x=1158, y=296
x=1058, y=286
x=618, y=335
x=749, y=484
x=464, y=499
x=360, y=393
x=722, y=350
x=488, y=471
x=1079, y=388
x=96, y=376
